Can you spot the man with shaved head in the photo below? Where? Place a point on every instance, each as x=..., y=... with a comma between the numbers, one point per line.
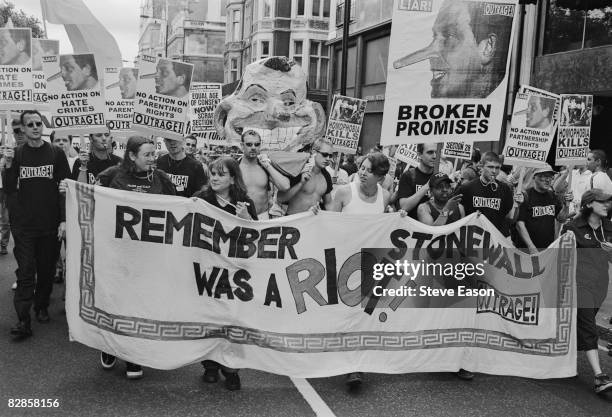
x=469, y=50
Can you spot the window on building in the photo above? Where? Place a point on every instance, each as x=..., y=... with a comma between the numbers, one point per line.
x=233, y=69
x=298, y=47
x=568, y=29
x=340, y=13
x=317, y=69
x=300, y=7
x=375, y=62
x=267, y=8
x=316, y=7
x=326, y=8
x=235, y=25
x=265, y=49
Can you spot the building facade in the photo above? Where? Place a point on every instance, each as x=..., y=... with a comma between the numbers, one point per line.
x=191, y=31
x=297, y=29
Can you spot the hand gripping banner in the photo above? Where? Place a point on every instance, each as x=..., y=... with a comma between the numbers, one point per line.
x=166, y=281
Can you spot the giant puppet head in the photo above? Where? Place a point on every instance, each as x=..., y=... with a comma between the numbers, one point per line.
x=271, y=99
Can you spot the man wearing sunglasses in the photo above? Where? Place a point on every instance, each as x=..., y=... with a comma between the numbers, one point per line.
x=259, y=174
x=314, y=184
x=191, y=144
x=37, y=218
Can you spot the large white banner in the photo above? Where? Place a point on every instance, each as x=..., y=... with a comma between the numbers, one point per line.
x=74, y=94
x=451, y=82
x=188, y=281
x=15, y=68
x=162, y=97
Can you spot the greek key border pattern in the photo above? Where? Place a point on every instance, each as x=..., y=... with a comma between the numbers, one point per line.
x=313, y=342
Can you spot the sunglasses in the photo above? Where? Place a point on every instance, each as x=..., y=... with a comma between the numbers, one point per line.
x=32, y=124
x=249, y=144
x=326, y=155
x=191, y=145
x=17, y=131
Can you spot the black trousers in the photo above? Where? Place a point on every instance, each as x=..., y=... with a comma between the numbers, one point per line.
x=36, y=254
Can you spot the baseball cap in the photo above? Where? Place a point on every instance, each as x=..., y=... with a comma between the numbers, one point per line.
x=546, y=169
x=436, y=179
x=595, y=194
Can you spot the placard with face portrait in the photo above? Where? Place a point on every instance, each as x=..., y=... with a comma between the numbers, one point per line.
x=119, y=94
x=448, y=70
x=74, y=94
x=574, y=129
x=41, y=48
x=344, y=125
x=161, y=106
x=15, y=68
x=531, y=130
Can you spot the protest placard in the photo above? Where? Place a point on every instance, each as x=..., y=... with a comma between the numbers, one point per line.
x=459, y=150
x=40, y=48
x=162, y=97
x=203, y=100
x=408, y=154
x=15, y=68
x=439, y=87
x=74, y=94
x=344, y=125
x=574, y=129
x=211, y=139
x=531, y=130
x=119, y=94
x=267, y=290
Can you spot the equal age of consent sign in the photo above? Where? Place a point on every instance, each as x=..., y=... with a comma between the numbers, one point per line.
x=119, y=94
x=203, y=100
x=41, y=48
x=344, y=125
x=15, y=68
x=459, y=150
x=530, y=136
x=451, y=83
x=189, y=281
x=74, y=93
x=162, y=97
x=574, y=129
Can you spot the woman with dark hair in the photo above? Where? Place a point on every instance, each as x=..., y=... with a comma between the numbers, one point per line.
x=227, y=192
x=593, y=232
x=137, y=173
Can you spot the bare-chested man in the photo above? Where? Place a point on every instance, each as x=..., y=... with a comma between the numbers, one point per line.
x=314, y=184
x=258, y=172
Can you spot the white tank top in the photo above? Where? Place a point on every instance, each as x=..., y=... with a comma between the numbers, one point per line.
x=358, y=206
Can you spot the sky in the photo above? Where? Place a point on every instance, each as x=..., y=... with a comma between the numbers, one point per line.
x=120, y=17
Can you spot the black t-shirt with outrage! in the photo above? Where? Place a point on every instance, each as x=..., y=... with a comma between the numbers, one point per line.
x=94, y=167
x=32, y=184
x=154, y=183
x=494, y=204
x=539, y=212
x=187, y=174
x=410, y=182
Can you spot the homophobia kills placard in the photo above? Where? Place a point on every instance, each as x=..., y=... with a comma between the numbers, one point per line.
x=119, y=94
x=41, y=48
x=344, y=125
x=162, y=97
x=203, y=100
x=448, y=70
x=574, y=129
x=531, y=131
x=299, y=295
x=74, y=94
x=15, y=68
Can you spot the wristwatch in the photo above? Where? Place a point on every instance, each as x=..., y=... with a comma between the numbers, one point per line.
x=444, y=213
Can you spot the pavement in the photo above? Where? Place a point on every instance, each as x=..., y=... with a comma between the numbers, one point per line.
x=49, y=366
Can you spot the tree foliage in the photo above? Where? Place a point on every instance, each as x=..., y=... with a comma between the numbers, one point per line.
x=20, y=19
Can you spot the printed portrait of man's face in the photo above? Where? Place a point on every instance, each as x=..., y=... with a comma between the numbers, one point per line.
x=14, y=47
x=127, y=82
x=79, y=72
x=468, y=52
x=170, y=80
x=539, y=112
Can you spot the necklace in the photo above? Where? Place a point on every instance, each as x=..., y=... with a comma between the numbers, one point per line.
x=366, y=194
x=493, y=184
x=603, y=237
